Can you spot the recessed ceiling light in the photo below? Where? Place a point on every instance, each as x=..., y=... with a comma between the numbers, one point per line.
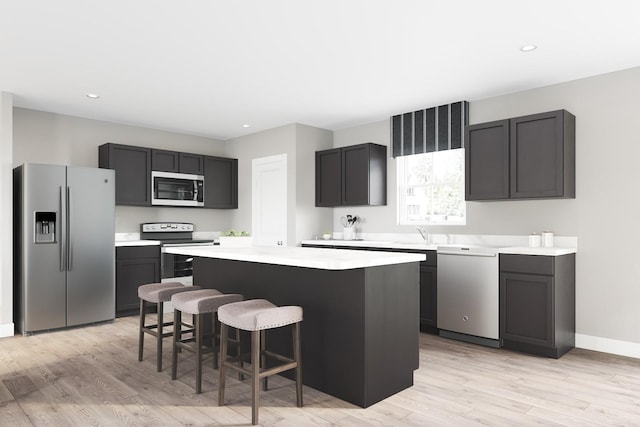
x=93, y=96
x=528, y=48
x=246, y=126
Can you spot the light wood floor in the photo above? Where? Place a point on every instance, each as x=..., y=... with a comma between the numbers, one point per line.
x=91, y=376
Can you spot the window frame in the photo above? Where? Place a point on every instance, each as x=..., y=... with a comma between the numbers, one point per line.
x=403, y=205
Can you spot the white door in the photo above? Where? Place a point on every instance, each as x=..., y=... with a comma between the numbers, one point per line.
x=269, y=201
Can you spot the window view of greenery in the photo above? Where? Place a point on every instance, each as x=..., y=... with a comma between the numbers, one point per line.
x=431, y=188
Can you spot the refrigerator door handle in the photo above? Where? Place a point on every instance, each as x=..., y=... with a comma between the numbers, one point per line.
x=69, y=235
x=61, y=231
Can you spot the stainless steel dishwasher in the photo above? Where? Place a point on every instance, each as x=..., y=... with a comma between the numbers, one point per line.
x=468, y=294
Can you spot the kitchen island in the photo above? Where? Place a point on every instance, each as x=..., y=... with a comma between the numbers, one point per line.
x=361, y=320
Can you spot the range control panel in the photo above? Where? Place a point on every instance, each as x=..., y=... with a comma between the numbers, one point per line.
x=159, y=227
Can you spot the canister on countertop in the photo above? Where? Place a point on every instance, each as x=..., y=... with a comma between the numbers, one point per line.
x=534, y=240
x=547, y=239
x=347, y=233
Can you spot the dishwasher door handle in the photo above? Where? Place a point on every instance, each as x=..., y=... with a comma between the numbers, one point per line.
x=467, y=253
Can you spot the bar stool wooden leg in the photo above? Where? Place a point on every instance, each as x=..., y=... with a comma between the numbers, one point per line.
x=214, y=322
x=255, y=367
x=223, y=358
x=177, y=334
x=297, y=355
x=160, y=332
x=141, y=333
x=198, y=353
x=263, y=356
x=239, y=353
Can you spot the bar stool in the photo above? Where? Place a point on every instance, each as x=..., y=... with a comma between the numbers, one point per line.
x=197, y=303
x=157, y=293
x=257, y=316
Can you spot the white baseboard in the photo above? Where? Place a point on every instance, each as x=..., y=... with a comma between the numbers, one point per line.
x=7, y=330
x=607, y=345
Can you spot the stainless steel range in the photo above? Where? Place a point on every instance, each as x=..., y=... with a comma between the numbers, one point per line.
x=174, y=267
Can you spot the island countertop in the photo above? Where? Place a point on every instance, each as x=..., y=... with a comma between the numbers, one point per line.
x=324, y=259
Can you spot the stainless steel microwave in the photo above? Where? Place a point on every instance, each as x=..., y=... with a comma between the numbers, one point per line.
x=176, y=189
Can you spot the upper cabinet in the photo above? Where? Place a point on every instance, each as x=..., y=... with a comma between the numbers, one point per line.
x=173, y=161
x=133, y=166
x=133, y=172
x=352, y=176
x=529, y=157
x=220, y=182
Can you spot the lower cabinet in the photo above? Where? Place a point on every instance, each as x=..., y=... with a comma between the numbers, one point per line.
x=537, y=303
x=428, y=297
x=135, y=266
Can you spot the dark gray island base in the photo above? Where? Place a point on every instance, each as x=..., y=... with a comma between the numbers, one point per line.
x=360, y=329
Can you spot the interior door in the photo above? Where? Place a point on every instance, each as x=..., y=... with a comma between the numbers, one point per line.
x=269, y=201
x=91, y=234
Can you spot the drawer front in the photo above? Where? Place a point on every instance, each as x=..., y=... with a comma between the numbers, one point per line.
x=133, y=252
x=531, y=264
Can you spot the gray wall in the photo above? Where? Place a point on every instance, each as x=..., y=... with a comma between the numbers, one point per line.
x=604, y=214
x=6, y=214
x=41, y=137
x=299, y=142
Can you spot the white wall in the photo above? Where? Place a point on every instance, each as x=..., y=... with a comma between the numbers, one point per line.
x=42, y=137
x=6, y=214
x=604, y=215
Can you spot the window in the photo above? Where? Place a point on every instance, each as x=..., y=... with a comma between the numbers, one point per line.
x=431, y=188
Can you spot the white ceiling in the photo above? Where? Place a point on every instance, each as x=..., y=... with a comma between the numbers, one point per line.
x=206, y=67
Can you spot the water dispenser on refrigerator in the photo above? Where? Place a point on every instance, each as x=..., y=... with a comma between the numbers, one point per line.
x=45, y=225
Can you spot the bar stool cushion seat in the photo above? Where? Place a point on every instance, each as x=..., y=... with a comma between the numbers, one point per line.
x=202, y=301
x=162, y=292
x=258, y=314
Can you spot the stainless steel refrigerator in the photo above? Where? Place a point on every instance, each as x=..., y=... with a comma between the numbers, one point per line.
x=64, y=255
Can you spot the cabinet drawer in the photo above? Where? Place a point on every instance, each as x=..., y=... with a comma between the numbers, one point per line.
x=133, y=252
x=532, y=264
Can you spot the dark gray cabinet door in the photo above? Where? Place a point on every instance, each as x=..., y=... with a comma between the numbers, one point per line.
x=133, y=172
x=364, y=175
x=165, y=161
x=191, y=163
x=220, y=182
x=135, y=266
x=543, y=155
x=428, y=298
x=526, y=307
x=355, y=175
x=487, y=161
x=329, y=178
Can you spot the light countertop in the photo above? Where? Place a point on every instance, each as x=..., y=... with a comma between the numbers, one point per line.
x=320, y=258
x=372, y=244
x=521, y=250
x=137, y=243
x=525, y=250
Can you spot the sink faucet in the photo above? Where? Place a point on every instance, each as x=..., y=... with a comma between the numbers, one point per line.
x=423, y=233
